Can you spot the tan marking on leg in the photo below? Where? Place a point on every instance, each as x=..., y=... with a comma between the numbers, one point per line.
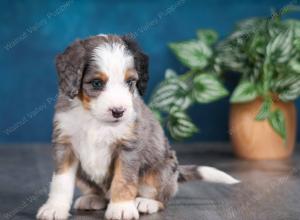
x=121, y=190
x=150, y=183
x=64, y=154
x=148, y=191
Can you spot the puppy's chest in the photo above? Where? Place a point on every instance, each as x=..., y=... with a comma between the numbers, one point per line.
x=94, y=148
x=93, y=142
x=95, y=158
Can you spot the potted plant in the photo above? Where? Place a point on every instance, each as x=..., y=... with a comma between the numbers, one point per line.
x=266, y=52
x=199, y=85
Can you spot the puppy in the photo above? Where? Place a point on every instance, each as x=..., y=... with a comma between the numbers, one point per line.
x=106, y=140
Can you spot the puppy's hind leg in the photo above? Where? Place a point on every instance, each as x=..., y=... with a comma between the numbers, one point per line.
x=146, y=202
x=155, y=189
x=148, y=206
x=92, y=198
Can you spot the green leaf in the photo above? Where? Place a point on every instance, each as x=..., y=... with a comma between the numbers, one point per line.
x=287, y=87
x=244, y=92
x=280, y=48
x=284, y=82
x=172, y=91
x=180, y=125
x=230, y=57
x=264, y=110
x=193, y=54
x=248, y=25
x=291, y=7
x=277, y=121
x=293, y=23
x=291, y=93
x=208, y=36
x=267, y=76
x=256, y=46
x=207, y=88
x=294, y=64
x=170, y=74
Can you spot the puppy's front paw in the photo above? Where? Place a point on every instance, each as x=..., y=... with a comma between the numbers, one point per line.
x=51, y=211
x=148, y=206
x=122, y=210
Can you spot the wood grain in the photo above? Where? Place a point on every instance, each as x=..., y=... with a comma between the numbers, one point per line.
x=269, y=189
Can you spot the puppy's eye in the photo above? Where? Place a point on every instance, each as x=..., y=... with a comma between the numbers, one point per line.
x=97, y=84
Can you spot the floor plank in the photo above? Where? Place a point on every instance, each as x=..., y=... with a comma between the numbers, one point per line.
x=269, y=189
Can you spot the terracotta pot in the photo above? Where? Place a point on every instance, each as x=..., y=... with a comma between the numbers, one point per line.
x=256, y=140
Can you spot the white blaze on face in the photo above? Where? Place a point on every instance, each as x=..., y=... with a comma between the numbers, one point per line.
x=113, y=60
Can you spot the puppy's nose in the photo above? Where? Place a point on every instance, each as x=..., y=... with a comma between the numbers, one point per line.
x=117, y=112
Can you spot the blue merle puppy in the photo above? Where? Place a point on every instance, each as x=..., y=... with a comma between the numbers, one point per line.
x=106, y=140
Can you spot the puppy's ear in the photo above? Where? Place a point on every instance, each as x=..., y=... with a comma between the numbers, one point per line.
x=141, y=63
x=70, y=67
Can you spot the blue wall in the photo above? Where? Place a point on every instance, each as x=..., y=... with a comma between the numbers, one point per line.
x=33, y=32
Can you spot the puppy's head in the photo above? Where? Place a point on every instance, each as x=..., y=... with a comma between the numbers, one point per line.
x=105, y=73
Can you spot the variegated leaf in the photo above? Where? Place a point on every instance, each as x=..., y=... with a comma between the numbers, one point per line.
x=208, y=36
x=180, y=125
x=193, y=54
x=291, y=93
x=170, y=74
x=294, y=64
x=170, y=92
x=277, y=121
x=264, y=110
x=207, y=88
x=280, y=48
x=244, y=92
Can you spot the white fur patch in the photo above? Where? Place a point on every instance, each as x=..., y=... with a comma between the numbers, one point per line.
x=122, y=210
x=212, y=174
x=91, y=139
x=50, y=211
x=114, y=60
x=60, y=196
x=148, y=206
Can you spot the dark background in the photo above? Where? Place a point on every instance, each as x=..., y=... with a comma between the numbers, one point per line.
x=33, y=32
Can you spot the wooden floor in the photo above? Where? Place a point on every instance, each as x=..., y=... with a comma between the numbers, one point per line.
x=269, y=189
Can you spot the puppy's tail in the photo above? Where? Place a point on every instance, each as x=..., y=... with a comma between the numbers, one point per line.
x=209, y=174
